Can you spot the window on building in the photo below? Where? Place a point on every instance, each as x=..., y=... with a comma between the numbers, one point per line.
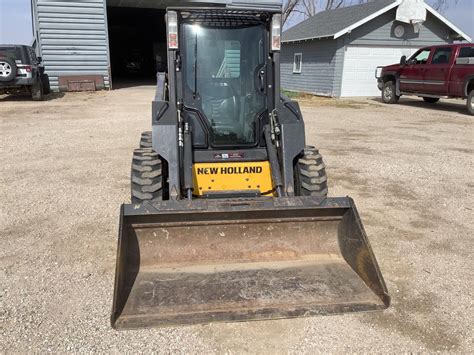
x=297, y=62
x=441, y=55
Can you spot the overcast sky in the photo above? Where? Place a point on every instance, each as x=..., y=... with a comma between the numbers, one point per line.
x=15, y=19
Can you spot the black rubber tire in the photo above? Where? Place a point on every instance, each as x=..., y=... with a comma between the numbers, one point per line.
x=46, y=84
x=431, y=100
x=310, y=174
x=147, y=176
x=389, y=95
x=13, y=72
x=145, y=140
x=470, y=103
x=37, y=93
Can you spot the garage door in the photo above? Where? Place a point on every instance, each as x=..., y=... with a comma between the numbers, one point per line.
x=358, y=77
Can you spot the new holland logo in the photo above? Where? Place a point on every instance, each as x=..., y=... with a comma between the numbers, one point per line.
x=230, y=170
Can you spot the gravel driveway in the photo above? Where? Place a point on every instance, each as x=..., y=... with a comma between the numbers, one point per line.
x=64, y=170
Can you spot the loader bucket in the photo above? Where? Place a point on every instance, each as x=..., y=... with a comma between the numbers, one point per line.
x=209, y=260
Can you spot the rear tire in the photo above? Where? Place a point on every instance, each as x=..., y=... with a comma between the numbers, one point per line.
x=470, y=103
x=431, y=100
x=310, y=174
x=389, y=93
x=46, y=84
x=37, y=90
x=145, y=140
x=147, y=176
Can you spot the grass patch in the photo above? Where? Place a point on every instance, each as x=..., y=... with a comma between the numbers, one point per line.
x=290, y=94
x=314, y=100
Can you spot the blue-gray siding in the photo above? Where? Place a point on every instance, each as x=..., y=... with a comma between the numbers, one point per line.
x=323, y=60
x=379, y=31
x=72, y=38
x=317, y=70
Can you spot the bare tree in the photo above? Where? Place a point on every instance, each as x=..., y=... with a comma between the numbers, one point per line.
x=441, y=5
x=288, y=8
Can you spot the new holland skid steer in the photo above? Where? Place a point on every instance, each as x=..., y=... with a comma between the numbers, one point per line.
x=230, y=218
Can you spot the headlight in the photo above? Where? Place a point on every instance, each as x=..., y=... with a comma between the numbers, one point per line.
x=378, y=72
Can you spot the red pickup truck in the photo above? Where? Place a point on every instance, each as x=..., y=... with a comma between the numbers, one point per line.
x=431, y=73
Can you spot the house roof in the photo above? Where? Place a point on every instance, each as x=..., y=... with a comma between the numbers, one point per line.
x=338, y=22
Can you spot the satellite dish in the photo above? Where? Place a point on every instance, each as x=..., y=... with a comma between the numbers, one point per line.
x=413, y=12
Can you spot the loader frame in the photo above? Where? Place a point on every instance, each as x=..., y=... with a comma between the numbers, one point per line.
x=166, y=112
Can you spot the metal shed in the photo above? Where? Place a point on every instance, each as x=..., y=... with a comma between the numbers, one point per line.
x=97, y=44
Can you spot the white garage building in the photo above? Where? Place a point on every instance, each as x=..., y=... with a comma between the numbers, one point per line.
x=335, y=53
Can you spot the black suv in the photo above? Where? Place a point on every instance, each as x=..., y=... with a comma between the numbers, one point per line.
x=21, y=71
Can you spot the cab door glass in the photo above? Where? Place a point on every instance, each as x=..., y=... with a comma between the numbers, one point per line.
x=420, y=57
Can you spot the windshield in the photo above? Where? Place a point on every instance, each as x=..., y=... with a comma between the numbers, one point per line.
x=221, y=77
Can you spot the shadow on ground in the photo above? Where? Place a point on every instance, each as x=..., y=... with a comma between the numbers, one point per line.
x=25, y=97
x=458, y=107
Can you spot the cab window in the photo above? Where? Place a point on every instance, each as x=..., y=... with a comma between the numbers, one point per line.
x=32, y=55
x=466, y=52
x=441, y=56
x=420, y=57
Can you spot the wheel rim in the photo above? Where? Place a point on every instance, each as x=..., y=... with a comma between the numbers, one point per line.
x=388, y=93
x=5, y=69
x=471, y=102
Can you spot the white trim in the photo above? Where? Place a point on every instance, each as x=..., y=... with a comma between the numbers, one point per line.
x=447, y=22
x=306, y=39
x=381, y=12
x=367, y=19
x=294, y=63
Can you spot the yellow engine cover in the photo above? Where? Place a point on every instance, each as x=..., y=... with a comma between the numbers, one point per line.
x=232, y=176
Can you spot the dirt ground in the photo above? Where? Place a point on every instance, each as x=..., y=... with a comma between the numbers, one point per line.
x=64, y=171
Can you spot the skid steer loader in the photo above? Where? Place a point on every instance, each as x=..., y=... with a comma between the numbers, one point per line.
x=230, y=219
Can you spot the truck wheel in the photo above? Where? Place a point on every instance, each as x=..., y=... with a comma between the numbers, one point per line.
x=37, y=93
x=310, y=174
x=389, y=93
x=147, y=176
x=470, y=102
x=431, y=100
x=145, y=140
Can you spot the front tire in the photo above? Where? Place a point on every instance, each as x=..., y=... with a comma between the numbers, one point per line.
x=470, y=103
x=310, y=174
x=389, y=93
x=431, y=100
x=147, y=176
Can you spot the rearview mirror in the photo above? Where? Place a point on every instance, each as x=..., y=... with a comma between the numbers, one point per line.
x=403, y=60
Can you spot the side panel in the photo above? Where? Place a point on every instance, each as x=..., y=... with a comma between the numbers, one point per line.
x=72, y=36
x=292, y=138
x=381, y=31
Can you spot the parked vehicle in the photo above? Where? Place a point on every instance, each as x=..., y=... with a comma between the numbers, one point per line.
x=21, y=71
x=432, y=73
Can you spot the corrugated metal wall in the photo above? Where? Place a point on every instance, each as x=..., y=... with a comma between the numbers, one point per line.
x=72, y=38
